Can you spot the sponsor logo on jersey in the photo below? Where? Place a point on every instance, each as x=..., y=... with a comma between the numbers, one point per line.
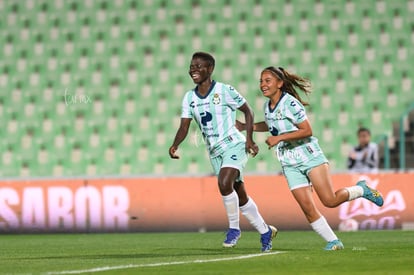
x=238, y=98
x=273, y=131
x=193, y=105
x=206, y=117
x=309, y=148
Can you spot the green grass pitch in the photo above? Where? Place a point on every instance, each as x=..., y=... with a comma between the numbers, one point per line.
x=366, y=252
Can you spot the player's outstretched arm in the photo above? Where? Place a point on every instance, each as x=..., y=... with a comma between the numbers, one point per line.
x=179, y=137
x=251, y=146
x=257, y=127
x=260, y=127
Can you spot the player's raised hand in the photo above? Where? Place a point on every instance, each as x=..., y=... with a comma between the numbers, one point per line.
x=240, y=125
x=252, y=148
x=172, y=152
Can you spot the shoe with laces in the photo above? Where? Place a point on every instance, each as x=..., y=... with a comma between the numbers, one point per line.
x=266, y=239
x=371, y=194
x=232, y=236
x=334, y=245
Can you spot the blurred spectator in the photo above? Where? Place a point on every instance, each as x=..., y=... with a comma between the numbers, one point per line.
x=364, y=157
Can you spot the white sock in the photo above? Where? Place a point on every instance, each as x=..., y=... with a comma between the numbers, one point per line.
x=322, y=227
x=250, y=211
x=231, y=204
x=354, y=192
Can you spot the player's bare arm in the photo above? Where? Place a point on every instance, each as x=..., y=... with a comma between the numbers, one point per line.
x=257, y=127
x=260, y=127
x=179, y=137
x=304, y=131
x=251, y=146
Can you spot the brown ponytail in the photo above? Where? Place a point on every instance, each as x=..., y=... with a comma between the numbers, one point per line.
x=290, y=81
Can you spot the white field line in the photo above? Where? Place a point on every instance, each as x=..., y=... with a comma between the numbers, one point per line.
x=117, y=267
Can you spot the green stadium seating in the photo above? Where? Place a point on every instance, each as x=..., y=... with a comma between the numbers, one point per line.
x=95, y=88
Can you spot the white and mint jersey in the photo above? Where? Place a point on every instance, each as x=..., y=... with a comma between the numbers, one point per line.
x=287, y=113
x=215, y=115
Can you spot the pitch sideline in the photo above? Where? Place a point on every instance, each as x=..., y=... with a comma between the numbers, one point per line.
x=107, y=268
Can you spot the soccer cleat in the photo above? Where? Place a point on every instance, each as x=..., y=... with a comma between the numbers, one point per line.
x=371, y=194
x=232, y=236
x=334, y=245
x=266, y=239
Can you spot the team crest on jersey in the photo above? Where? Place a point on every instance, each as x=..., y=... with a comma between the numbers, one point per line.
x=279, y=115
x=216, y=99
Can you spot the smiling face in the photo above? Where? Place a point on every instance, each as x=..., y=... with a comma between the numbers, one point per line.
x=200, y=70
x=270, y=84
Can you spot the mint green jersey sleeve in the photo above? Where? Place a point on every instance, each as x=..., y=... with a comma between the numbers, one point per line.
x=186, y=110
x=233, y=98
x=295, y=111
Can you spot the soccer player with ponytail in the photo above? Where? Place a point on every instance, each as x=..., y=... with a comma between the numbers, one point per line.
x=303, y=162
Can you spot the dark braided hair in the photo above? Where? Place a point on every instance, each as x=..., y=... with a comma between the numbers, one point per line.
x=290, y=81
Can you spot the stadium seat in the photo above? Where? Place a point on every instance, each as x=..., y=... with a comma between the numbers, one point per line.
x=129, y=59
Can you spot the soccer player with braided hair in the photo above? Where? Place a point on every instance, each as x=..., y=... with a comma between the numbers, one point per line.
x=213, y=106
x=303, y=162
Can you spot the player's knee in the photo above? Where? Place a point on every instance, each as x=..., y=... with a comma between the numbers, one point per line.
x=225, y=187
x=330, y=203
x=226, y=180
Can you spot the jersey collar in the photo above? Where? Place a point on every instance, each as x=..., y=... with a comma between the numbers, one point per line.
x=280, y=98
x=213, y=83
